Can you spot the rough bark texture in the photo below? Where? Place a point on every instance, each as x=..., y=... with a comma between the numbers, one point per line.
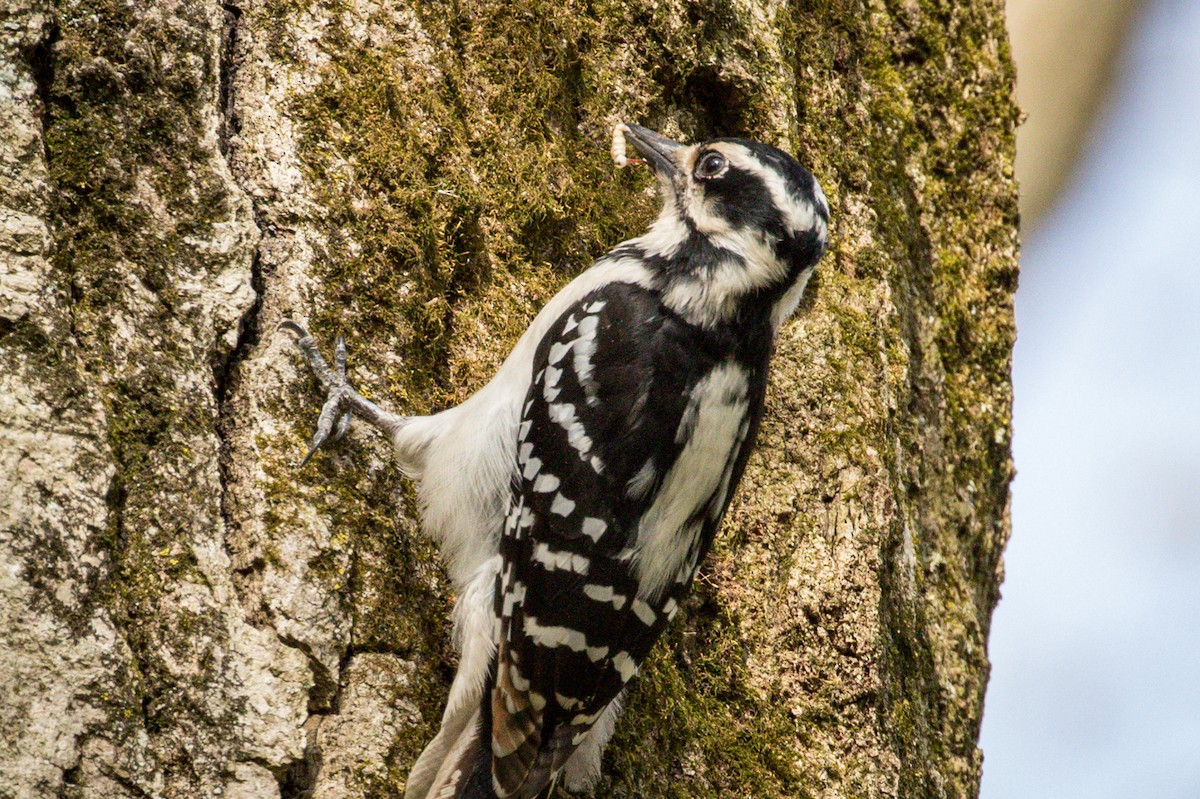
x=185, y=614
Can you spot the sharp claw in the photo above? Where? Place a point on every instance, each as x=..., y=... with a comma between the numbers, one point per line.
x=292, y=327
x=343, y=424
x=328, y=379
x=311, y=452
x=333, y=421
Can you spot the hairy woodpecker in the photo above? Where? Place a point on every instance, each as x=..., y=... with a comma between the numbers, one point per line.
x=574, y=496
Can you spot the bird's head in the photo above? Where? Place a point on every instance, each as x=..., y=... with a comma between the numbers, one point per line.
x=743, y=224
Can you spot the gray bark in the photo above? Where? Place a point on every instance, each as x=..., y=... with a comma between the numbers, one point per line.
x=186, y=614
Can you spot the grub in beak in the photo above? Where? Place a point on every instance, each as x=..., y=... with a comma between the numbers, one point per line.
x=655, y=149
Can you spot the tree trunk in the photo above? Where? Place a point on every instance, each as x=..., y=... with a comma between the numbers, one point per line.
x=187, y=614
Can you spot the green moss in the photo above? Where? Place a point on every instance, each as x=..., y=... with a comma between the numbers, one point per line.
x=695, y=726
x=133, y=186
x=462, y=175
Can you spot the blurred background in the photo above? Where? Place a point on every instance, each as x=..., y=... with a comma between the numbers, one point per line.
x=1095, y=646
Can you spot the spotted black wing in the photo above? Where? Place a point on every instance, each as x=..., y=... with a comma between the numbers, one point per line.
x=614, y=383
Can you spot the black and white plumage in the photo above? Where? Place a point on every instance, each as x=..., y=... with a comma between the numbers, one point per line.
x=576, y=494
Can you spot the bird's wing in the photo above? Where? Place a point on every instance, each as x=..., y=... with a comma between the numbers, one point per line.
x=613, y=382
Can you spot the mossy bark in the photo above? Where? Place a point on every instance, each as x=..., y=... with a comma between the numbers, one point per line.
x=190, y=615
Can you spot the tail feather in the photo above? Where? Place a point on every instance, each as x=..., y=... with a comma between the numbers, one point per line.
x=465, y=714
x=466, y=770
x=436, y=753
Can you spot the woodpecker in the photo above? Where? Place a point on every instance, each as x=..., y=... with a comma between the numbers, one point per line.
x=574, y=496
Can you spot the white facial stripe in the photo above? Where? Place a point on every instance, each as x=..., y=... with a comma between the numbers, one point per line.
x=798, y=214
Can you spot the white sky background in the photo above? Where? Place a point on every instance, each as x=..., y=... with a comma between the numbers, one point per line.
x=1095, y=646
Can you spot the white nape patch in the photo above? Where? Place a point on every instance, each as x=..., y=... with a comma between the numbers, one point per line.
x=552, y=637
x=558, y=350
x=644, y=612
x=605, y=593
x=545, y=483
x=594, y=528
x=555, y=560
x=640, y=483
x=664, y=536
x=562, y=506
x=624, y=665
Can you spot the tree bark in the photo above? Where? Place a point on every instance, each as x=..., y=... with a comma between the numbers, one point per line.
x=185, y=613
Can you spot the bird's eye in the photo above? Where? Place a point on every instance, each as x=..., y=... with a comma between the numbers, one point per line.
x=710, y=165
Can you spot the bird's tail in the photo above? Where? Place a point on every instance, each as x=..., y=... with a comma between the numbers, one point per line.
x=457, y=764
x=458, y=761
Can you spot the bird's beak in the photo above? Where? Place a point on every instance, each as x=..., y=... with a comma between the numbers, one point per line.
x=656, y=149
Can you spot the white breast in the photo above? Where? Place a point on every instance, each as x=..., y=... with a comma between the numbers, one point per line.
x=713, y=425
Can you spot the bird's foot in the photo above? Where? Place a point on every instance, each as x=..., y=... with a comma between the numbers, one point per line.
x=334, y=420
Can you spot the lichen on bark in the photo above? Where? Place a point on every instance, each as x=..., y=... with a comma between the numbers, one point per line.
x=421, y=178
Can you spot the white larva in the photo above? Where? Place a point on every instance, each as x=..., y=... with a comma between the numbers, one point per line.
x=618, y=146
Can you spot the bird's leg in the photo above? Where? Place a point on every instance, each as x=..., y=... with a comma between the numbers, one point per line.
x=341, y=401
